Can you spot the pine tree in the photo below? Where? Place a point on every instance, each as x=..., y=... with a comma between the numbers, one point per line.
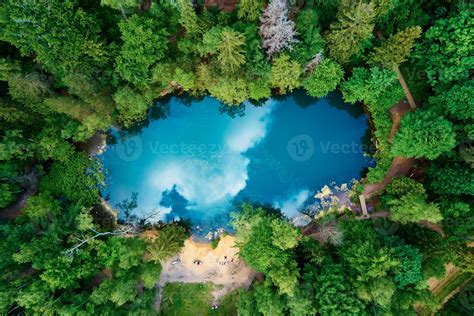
x=285, y=74
x=354, y=24
x=189, y=19
x=249, y=9
x=231, y=53
x=396, y=49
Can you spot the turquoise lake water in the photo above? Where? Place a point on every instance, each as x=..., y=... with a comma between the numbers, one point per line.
x=192, y=159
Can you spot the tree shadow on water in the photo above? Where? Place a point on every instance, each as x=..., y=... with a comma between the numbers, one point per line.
x=335, y=100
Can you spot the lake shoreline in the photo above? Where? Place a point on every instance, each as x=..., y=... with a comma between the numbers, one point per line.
x=307, y=115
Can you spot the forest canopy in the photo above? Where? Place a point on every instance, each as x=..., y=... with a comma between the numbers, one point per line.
x=70, y=69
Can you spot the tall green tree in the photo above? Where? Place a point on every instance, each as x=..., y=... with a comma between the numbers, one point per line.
x=168, y=242
x=29, y=89
x=323, y=79
x=230, y=90
x=231, y=50
x=189, y=19
x=285, y=74
x=333, y=294
x=453, y=179
x=396, y=49
x=121, y=5
x=355, y=22
x=64, y=38
x=131, y=105
x=423, y=134
x=144, y=44
x=457, y=101
x=414, y=208
x=249, y=9
x=266, y=243
x=444, y=46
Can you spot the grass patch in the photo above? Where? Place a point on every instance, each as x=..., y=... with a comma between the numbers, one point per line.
x=215, y=242
x=440, y=297
x=452, y=285
x=194, y=299
x=228, y=305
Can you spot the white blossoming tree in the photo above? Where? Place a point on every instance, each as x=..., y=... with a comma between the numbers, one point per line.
x=276, y=30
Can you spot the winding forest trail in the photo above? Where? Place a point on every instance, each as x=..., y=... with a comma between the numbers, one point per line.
x=396, y=114
x=400, y=165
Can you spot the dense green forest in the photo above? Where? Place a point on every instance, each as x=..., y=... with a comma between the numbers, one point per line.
x=69, y=69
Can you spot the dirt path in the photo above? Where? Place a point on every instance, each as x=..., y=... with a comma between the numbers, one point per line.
x=396, y=114
x=404, y=85
x=220, y=266
x=400, y=166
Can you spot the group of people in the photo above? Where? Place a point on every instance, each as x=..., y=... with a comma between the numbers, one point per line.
x=223, y=263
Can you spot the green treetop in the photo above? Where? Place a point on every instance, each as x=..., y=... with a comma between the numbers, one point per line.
x=65, y=39
x=231, y=50
x=423, y=134
x=396, y=49
x=446, y=48
x=323, y=79
x=144, y=44
x=414, y=208
x=354, y=25
x=285, y=73
x=249, y=9
x=189, y=19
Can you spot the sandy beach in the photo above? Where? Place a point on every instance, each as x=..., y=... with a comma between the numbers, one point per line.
x=198, y=262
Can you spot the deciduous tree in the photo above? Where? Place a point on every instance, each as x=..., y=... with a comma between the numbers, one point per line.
x=144, y=44
x=323, y=79
x=444, y=47
x=168, y=242
x=230, y=90
x=414, y=208
x=131, y=105
x=277, y=31
x=423, y=134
